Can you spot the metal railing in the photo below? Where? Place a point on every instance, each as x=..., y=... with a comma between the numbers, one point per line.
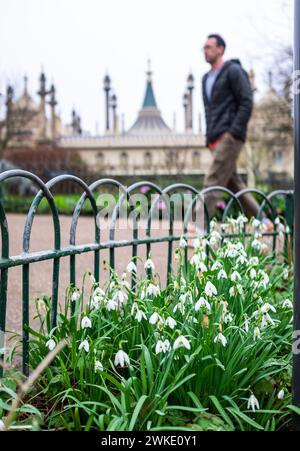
x=27, y=258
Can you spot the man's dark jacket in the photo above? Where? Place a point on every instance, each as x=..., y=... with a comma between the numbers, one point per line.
x=230, y=107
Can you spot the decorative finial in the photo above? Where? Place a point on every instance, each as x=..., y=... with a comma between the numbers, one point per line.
x=149, y=71
x=270, y=75
x=25, y=85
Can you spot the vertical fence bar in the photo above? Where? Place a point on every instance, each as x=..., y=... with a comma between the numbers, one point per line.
x=25, y=289
x=296, y=353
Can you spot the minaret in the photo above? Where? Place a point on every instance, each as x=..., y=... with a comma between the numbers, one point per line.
x=25, y=86
x=190, y=87
x=9, y=102
x=107, y=88
x=53, y=104
x=76, y=123
x=185, y=106
x=113, y=104
x=42, y=93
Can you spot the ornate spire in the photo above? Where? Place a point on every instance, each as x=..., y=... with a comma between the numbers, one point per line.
x=149, y=99
x=25, y=85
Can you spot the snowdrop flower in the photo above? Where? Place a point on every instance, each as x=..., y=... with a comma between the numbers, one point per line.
x=153, y=290
x=171, y=323
x=162, y=347
x=287, y=304
x=155, y=317
x=256, y=334
x=240, y=289
x=253, y=273
x=195, y=261
x=266, y=319
x=242, y=260
x=216, y=266
x=131, y=267
x=228, y=318
x=202, y=303
x=267, y=307
x=181, y=342
x=277, y=221
x=75, y=296
x=232, y=292
x=51, y=344
x=140, y=316
x=197, y=244
x=253, y=403
x=84, y=345
x=202, y=267
x=181, y=307
x=120, y=297
x=111, y=305
x=122, y=359
x=242, y=220
x=216, y=236
x=287, y=230
x=86, y=323
x=2, y=425
x=149, y=264
x=256, y=223
x=222, y=275
x=134, y=308
x=220, y=337
x=280, y=395
x=98, y=366
x=210, y=290
x=254, y=261
x=263, y=247
x=235, y=276
x=285, y=274
x=256, y=245
x=246, y=323
x=183, y=243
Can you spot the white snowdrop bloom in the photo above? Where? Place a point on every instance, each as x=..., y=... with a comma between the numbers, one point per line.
x=242, y=220
x=84, y=345
x=216, y=235
x=258, y=235
x=266, y=319
x=256, y=223
x=149, y=264
x=75, y=296
x=202, y=303
x=253, y=273
x=131, y=267
x=171, y=323
x=242, y=260
x=197, y=244
x=228, y=318
x=240, y=290
x=235, y=276
x=95, y=302
x=120, y=297
x=216, y=266
x=267, y=307
x=220, y=338
x=222, y=275
x=155, y=317
x=256, y=245
x=183, y=243
x=256, y=334
x=253, y=403
x=99, y=292
x=50, y=344
x=140, y=316
x=287, y=230
x=162, y=347
x=182, y=342
x=202, y=267
x=122, y=359
x=195, y=260
x=210, y=290
x=280, y=395
x=232, y=292
x=264, y=247
x=285, y=274
x=181, y=307
x=143, y=294
x=111, y=305
x=98, y=366
x=254, y=261
x=231, y=252
x=183, y=298
x=213, y=224
x=125, y=284
x=86, y=323
x=287, y=304
x=2, y=425
x=277, y=221
x=153, y=290
x=112, y=285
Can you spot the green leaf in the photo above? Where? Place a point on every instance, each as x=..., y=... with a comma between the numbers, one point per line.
x=136, y=412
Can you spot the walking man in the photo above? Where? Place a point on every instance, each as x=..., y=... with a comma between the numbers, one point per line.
x=228, y=102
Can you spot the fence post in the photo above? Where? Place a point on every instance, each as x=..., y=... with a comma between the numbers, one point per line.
x=296, y=354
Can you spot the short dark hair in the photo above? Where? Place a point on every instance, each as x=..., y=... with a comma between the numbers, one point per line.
x=219, y=39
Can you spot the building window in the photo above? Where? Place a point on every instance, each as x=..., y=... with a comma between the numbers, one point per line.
x=124, y=160
x=148, y=160
x=100, y=159
x=196, y=160
x=277, y=157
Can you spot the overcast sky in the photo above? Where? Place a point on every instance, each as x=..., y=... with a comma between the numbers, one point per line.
x=77, y=41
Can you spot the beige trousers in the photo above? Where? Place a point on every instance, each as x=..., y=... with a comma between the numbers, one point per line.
x=223, y=172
